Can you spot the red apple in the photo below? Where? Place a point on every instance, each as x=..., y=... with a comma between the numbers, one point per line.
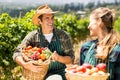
x=101, y=67
x=81, y=69
x=87, y=65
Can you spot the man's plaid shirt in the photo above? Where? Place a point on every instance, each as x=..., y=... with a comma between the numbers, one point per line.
x=33, y=39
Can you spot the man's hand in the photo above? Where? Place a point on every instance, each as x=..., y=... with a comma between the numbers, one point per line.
x=55, y=56
x=32, y=67
x=63, y=59
x=67, y=77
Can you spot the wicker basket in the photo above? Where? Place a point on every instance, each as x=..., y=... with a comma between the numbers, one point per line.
x=76, y=76
x=29, y=75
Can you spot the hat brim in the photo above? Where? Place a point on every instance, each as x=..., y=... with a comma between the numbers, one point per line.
x=35, y=18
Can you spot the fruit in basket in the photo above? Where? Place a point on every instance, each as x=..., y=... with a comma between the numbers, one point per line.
x=101, y=73
x=95, y=74
x=94, y=69
x=88, y=72
x=81, y=69
x=80, y=72
x=39, y=56
x=101, y=67
x=29, y=47
x=35, y=53
x=43, y=56
x=88, y=69
x=87, y=65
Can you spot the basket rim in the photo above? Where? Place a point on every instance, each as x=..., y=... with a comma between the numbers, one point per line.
x=106, y=74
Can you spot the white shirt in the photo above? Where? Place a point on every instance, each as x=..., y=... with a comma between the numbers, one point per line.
x=49, y=37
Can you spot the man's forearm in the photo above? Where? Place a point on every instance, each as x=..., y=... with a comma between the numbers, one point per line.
x=20, y=61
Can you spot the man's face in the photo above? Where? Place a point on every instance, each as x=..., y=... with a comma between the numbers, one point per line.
x=47, y=22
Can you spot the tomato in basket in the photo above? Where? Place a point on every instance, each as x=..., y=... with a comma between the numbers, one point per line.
x=39, y=50
x=28, y=48
x=36, y=53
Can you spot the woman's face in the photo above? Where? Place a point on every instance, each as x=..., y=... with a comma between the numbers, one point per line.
x=94, y=26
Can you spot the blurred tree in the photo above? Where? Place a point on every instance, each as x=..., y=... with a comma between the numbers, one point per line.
x=90, y=5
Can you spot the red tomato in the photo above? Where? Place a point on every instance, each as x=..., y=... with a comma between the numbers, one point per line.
x=34, y=49
x=28, y=47
x=81, y=68
x=39, y=50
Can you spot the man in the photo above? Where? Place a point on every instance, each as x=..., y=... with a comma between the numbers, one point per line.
x=58, y=41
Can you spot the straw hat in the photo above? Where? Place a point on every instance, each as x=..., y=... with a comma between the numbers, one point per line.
x=44, y=9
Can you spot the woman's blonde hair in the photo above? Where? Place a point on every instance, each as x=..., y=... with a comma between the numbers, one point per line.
x=107, y=15
x=107, y=44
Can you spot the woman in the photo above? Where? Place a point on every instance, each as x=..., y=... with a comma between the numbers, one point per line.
x=106, y=47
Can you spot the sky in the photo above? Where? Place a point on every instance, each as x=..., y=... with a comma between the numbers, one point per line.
x=53, y=1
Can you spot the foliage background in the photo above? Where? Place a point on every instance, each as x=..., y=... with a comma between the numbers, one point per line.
x=14, y=29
